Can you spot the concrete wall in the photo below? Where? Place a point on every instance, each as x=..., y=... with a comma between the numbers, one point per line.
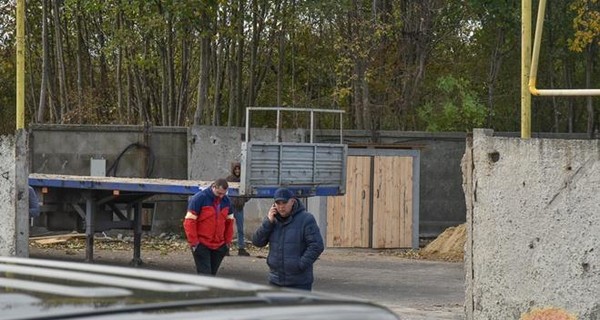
x=14, y=207
x=67, y=149
x=534, y=226
x=212, y=149
x=7, y=196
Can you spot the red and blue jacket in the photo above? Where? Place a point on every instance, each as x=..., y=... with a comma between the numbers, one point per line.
x=208, y=220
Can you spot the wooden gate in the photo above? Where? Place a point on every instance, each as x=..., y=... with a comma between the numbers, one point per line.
x=348, y=215
x=392, y=202
x=378, y=209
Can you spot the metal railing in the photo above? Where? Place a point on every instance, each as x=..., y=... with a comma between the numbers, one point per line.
x=280, y=109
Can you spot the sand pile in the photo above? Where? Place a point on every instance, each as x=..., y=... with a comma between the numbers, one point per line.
x=449, y=245
x=548, y=314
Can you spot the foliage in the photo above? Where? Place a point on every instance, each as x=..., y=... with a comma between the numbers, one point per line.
x=8, y=93
x=170, y=63
x=586, y=24
x=454, y=108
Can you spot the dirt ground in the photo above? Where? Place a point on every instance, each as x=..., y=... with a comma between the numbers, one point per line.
x=417, y=286
x=448, y=246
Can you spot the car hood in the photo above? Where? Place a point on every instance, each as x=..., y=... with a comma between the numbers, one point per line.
x=47, y=289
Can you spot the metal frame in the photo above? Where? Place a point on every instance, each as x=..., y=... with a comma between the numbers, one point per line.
x=280, y=109
x=539, y=28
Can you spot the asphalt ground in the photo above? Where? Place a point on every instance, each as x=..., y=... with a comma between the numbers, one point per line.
x=414, y=289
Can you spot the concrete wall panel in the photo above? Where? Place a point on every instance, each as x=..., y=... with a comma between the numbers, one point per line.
x=14, y=207
x=7, y=196
x=535, y=227
x=67, y=149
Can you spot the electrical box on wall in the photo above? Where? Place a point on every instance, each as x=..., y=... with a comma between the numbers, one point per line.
x=98, y=167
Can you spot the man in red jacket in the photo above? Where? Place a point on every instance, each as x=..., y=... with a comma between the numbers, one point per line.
x=208, y=226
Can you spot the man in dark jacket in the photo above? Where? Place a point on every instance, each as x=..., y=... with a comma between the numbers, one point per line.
x=294, y=239
x=237, y=206
x=208, y=226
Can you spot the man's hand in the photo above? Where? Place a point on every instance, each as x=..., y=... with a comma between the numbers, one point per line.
x=272, y=213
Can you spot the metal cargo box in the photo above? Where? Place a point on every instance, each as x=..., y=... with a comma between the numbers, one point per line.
x=310, y=169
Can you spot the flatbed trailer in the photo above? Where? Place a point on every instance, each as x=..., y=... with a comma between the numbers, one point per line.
x=97, y=200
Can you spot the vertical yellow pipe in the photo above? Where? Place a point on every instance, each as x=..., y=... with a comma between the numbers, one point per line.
x=20, y=64
x=537, y=42
x=525, y=67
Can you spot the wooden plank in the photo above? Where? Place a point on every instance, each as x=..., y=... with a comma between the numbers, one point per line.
x=384, y=209
x=407, y=210
x=348, y=215
x=335, y=212
x=50, y=241
x=393, y=202
x=65, y=236
x=58, y=238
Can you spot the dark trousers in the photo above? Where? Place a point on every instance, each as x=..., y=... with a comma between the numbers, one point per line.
x=208, y=260
x=306, y=286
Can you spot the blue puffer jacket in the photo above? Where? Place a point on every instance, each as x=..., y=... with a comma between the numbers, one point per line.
x=295, y=244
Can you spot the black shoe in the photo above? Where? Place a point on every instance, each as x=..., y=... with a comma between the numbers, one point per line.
x=243, y=252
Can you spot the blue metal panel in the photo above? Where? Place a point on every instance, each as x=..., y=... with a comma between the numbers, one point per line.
x=120, y=184
x=300, y=192
x=164, y=186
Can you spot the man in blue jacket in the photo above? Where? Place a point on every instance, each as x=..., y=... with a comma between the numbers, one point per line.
x=294, y=239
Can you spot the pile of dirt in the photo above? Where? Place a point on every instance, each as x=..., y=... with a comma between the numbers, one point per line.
x=448, y=246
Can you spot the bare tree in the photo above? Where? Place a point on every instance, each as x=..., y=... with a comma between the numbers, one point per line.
x=204, y=74
x=181, y=108
x=590, y=56
x=45, y=60
x=60, y=62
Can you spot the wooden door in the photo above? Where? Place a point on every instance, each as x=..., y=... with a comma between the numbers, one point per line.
x=392, y=202
x=348, y=223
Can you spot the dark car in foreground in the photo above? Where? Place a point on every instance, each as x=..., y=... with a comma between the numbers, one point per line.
x=48, y=289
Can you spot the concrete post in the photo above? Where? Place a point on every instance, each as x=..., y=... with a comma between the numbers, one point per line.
x=14, y=195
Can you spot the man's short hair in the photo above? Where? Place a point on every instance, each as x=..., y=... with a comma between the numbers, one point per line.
x=221, y=183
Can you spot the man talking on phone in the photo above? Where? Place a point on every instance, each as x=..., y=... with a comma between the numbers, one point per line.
x=294, y=239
